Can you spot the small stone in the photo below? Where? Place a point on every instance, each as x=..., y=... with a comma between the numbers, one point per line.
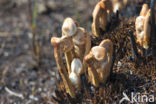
x=53, y=73
x=52, y=4
x=6, y=54
x=39, y=89
x=41, y=8
x=53, y=94
x=20, y=2
x=131, y=72
x=33, y=97
x=92, y=88
x=26, y=46
x=119, y=64
x=30, y=35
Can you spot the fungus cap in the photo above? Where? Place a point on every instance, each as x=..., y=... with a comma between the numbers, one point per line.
x=64, y=43
x=99, y=53
x=74, y=79
x=79, y=38
x=69, y=27
x=139, y=23
x=117, y=7
x=76, y=66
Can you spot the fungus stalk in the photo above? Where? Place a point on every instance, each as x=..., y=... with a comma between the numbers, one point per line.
x=99, y=62
x=147, y=30
x=108, y=46
x=63, y=44
x=82, y=45
x=81, y=40
x=143, y=27
x=93, y=75
x=68, y=58
x=144, y=10
x=101, y=16
x=69, y=28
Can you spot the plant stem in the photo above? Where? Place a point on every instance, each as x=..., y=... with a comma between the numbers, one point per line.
x=33, y=17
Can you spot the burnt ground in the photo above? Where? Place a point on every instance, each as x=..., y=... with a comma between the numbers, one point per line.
x=129, y=74
x=37, y=82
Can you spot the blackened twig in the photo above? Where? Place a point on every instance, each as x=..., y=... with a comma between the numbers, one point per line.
x=113, y=60
x=117, y=14
x=133, y=44
x=153, y=31
x=85, y=85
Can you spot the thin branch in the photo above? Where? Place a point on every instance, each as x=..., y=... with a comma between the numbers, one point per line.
x=133, y=44
x=153, y=32
x=113, y=60
x=14, y=93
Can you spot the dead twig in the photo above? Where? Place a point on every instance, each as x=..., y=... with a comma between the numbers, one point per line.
x=4, y=74
x=113, y=60
x=133, y=44
x=153, y=32
x=14, y=93
x=32, y=5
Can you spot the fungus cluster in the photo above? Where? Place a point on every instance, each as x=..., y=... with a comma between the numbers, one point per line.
x=80, y=58
x=75, y=43
x=142, y=26
x=102, y=14
x=63, y=45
